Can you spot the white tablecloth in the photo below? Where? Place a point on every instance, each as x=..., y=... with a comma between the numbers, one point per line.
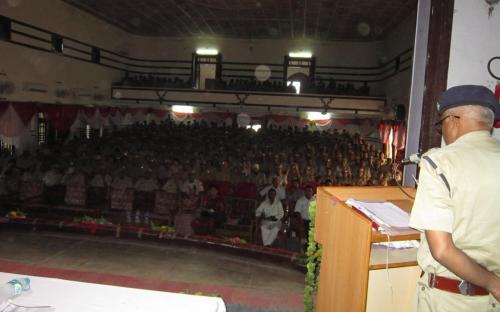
x=69, y=296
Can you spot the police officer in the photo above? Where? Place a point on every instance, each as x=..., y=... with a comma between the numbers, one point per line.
x=457, y=207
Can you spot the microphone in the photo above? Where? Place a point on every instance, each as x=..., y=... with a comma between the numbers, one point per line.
x=412, y=159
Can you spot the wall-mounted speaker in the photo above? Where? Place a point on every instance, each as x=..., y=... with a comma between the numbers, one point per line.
x=5, y=28
x=400, y=112
x=57, y=43
x=96, y=55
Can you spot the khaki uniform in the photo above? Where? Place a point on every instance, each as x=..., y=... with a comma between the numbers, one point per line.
x=469, y=210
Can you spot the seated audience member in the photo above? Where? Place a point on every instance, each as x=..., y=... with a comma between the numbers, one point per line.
x=3, y=192
x=257, y=177
x=294, y=193
x=294, y=172
x=300, y=219
x=25, y=161
x=171, y=186
x=99, y=184
x=269, y=213
x=74, y=180
x=223, y=172
x=309, y=175
x=275, y=185
x=31, y=183
x=192, y=186
x=212, y=214
x=122, y=194
x=54, y=190
x=144, y=196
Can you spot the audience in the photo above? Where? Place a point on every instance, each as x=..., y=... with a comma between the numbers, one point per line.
x=281, y=166
x=317, y=85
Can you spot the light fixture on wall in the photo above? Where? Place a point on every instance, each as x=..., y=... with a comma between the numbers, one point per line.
x=207, y=51
x=186, y=109
x=255, y=127
x=318, y=116
x=300, y=54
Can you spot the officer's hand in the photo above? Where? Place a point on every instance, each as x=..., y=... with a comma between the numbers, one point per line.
x=495, y=290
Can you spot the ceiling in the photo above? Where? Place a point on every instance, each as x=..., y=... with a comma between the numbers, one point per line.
x=272, y=19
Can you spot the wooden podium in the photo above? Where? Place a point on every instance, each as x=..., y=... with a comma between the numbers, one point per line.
x=353, y=275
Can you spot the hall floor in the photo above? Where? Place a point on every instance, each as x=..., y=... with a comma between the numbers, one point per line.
x=244, y=284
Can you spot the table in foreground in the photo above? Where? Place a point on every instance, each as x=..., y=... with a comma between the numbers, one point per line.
x=70, y=296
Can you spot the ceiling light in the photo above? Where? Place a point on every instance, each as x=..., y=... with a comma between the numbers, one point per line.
x=183, y=109
x=318, y=116
x=302, y=54
x=207, y=51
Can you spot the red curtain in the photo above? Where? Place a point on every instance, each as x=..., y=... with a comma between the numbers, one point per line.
x=89, y=110
x=136, y=110
x=384, y=129
x=279, y=118
x=61, y=117
x=113, y=111
x=3, y=107
x=343, y=122
x=160, y=113
x=123, y=110
x=25, y=111
x=399, y=141
x=104, y=111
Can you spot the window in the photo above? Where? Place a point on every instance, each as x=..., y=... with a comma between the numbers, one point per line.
x=6, y=147
x=88, y=132
x=295, y=84
x=41, y=129
x=57, y=43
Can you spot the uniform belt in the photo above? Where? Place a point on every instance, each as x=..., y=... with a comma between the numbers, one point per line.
x=456, y=286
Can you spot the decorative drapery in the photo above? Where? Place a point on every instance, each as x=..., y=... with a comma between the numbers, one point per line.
x=15, y=119
x=384, y=129
x=13, y=131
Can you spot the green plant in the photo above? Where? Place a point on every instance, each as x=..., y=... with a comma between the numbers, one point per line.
x=313, y=259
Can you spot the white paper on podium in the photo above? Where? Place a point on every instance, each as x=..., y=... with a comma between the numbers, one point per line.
x=383, y=213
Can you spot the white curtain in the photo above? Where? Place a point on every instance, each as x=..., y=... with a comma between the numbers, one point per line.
x=14, y=132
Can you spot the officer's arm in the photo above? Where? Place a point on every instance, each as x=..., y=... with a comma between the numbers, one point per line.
x=447, y=254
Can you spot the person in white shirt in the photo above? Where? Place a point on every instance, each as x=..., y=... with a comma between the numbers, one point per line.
x=171, y=186
x=98, y=188
x=74, y=180
x=121, y=181
x=300, y=219
x=280, y=190
x=191, y=186
x=147, y=183
x=145, y=193
x=270, y=213
x=122, y=194
x=73, y=177
x=52, y=177
x=54, y=191
x=100, y=179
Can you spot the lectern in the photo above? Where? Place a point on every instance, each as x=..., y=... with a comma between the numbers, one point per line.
x=356, y=275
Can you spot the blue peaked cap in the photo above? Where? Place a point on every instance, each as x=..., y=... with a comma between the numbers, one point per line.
x=468, y=95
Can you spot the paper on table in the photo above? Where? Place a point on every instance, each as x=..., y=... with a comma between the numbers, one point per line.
x=383, y=213
x=9, y=306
